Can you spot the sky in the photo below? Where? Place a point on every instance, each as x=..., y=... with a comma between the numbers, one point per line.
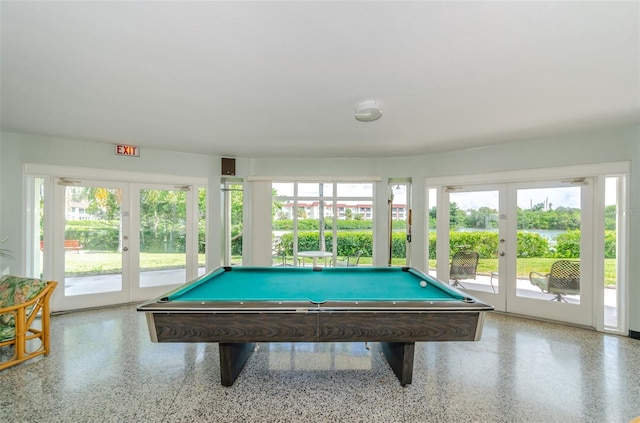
x=554, y=197
x=527, y=198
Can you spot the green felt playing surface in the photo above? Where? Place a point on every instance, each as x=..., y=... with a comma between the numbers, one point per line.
x=316, y=286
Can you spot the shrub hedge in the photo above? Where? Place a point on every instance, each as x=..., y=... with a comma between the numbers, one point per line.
x=107, y=238
x=529, y=244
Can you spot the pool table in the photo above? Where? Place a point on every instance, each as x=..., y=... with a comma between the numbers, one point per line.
x=239, y=306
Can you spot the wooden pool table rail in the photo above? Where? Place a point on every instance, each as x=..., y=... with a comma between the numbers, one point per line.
x=397, y=331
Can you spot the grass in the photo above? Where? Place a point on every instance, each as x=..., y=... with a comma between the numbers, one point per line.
x=104, y=263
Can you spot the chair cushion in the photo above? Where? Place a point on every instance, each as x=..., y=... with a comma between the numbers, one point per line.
x=16, y=290
x=7, y=332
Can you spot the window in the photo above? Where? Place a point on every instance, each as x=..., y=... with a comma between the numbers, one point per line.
x=325, y=221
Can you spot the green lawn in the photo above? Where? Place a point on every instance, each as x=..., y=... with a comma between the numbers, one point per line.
x=103, y=263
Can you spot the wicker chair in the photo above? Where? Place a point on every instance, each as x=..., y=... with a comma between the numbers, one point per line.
x=563, y=279
x=22, y=300
x=463, y=266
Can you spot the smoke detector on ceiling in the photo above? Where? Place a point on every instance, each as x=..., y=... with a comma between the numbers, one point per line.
x=368, y=111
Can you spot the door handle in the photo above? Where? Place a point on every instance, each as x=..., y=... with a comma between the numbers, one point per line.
x=502, y=254
x=125, y=248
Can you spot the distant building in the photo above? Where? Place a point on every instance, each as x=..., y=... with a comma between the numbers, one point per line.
x=344, y=210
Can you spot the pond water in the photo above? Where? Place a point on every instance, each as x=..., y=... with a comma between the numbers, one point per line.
x=549, y=234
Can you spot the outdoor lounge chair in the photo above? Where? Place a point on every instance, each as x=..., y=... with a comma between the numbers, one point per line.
x=350, y=260
x=22, y=335
x=463, y=266
x=563, y=279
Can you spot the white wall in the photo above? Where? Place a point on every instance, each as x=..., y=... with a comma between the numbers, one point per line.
x=2, y=259
x=618, y=144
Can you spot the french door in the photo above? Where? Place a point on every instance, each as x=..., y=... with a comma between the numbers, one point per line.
x=566, y=237
x=116, y=242
x=92, y=216
x=517, y=231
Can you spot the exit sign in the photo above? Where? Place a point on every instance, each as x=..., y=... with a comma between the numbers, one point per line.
x=127, y=150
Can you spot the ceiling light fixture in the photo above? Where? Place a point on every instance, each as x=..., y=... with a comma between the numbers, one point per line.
x=368, y=111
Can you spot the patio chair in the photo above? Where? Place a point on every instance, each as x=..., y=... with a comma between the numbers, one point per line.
x=463, y=266
x=350, y=260
x=563, y=279
x=278, y=252
x=22, y=300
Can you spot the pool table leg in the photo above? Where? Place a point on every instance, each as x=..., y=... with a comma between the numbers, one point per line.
x=233, y=357
x=400, y=358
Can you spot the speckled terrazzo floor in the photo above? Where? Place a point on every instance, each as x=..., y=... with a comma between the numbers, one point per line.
x=103, y=368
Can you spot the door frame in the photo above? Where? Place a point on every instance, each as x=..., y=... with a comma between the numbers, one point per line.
x=596, y=242
x=53, y=261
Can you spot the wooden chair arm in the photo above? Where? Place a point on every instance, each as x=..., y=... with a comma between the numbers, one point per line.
x=20, y=330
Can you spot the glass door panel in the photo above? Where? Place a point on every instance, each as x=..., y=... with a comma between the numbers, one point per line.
x=233, y=201
x=432, y=224
x=202, y=230
x=548, y=236
x=553, y=226
x=162, y=237
x=474, y=239
x=353, y=224
x=400, y=224
x=314, y=222
x=283, y=212
x=93, y=253
x=613, y=235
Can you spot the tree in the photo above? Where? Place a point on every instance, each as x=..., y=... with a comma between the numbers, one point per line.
x=432, y=218
x=610, y=217
x=104, y=203
x=484, y=217
x=237, y=206
x=456, y=216
x=162, y=220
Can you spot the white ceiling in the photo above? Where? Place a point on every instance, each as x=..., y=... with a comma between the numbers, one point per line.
x=271, y=79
